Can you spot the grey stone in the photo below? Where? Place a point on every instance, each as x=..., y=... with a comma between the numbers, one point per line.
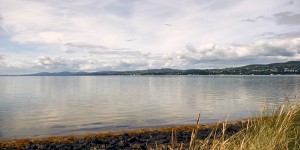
x=136, y=146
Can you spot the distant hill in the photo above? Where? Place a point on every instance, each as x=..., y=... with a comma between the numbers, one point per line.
x=291, y=67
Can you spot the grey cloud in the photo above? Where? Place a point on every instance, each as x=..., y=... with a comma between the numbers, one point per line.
x=219, y=5
x=280, y=35
x=1, y=20
x=249, y=20
x=190, y=47
x=282, y=14
x=130, y=40
x=2, y=57
x=274, y=48
x=120, y=8
x=257, y=19
x=242, y=61
x=287, y=18
x=123, y=65
x=5, y=64
x=2, y=26
x=9, y=64
x=263, y=51
x=122, y=49
x=95, y=52
x=79, y=45
x=219, y=62
x=114, y=52
x=107, y=22
x=207, y=50
x=56, y=63
x=263, y=18
x=268, y=50
x=194, y=61
x=47, y=63
x=70, y=51
x=207, y=54
x=168, y=25
x=267, y=34
x=289, y=35
x=2, y=62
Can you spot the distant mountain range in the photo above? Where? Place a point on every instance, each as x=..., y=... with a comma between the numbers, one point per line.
x=291, y=67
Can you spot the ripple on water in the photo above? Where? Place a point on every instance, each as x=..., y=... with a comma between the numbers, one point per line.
x=69, y=105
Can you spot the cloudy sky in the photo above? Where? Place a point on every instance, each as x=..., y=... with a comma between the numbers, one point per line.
x=93, y=35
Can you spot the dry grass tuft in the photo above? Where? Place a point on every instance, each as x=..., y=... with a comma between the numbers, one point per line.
x=277, y=128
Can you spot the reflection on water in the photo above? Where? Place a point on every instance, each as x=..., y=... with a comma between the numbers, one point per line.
x=31, y=106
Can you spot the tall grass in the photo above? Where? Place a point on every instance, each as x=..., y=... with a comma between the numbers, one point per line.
x=276, y=128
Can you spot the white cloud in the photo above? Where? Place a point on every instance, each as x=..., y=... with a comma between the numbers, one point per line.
x=105, y=35
x=201, y=56
x=9, y=64
x=262, y=51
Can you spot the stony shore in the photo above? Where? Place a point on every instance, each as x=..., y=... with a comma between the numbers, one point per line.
x=161, y=138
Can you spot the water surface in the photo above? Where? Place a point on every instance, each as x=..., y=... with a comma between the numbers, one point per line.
x=43, y=106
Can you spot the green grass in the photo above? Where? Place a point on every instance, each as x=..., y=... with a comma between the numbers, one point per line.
x=272, y=129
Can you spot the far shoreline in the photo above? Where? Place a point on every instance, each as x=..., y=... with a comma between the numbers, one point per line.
x=148, y=75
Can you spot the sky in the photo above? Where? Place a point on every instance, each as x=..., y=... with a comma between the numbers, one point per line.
x=93, y=35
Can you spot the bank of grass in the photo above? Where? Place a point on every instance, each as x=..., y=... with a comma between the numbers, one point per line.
x=276, y=128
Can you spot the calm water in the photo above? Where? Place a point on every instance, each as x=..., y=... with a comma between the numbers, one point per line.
x=42, y=106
